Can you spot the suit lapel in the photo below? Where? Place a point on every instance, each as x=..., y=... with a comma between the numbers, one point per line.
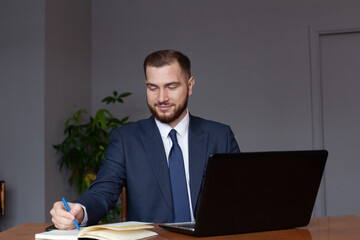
x=198, y=141
x=156, y=154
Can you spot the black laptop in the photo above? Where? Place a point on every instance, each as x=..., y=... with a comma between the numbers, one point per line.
x=253, y=192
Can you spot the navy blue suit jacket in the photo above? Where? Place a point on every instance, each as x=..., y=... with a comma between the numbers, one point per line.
x=136, y=159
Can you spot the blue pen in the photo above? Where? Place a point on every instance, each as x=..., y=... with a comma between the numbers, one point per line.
x=67, y=208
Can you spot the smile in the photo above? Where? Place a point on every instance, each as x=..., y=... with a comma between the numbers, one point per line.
x=164, y=108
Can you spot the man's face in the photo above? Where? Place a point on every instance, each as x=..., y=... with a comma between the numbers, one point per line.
x=167, y=92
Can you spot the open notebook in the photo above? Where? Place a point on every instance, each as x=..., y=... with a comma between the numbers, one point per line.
x=259, y=191
x=118, y=231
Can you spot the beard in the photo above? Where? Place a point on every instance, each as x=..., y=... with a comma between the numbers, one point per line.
x=172, y=116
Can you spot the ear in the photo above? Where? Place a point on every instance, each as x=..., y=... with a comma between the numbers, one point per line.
x=191, y=83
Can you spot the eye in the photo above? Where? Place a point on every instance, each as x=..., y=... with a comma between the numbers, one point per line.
x=173, y=86
x=151, y=87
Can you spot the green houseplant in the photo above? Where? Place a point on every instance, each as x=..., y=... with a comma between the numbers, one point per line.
x=85, y=143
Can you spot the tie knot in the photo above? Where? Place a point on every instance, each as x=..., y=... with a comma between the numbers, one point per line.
x=172, y=135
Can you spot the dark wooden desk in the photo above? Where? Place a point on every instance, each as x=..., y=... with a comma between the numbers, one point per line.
x=324, y=228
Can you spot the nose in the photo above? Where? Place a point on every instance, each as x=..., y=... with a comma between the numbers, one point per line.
x=163, y=96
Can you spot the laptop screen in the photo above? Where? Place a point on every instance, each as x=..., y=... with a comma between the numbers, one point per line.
x=258, y=191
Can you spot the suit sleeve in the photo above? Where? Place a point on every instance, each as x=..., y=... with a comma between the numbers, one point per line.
x=233, y=146
x=103, y=193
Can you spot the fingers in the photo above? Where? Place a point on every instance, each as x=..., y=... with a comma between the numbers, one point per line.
x=59, y=210
x=74, y=208
x=63, y=219
x=77, y=211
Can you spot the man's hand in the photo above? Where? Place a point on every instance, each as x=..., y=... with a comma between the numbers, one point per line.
x=63, y=219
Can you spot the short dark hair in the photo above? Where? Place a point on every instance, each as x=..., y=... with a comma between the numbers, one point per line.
x=167, y=57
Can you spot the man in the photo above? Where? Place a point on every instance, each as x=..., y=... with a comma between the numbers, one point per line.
x=161, y=168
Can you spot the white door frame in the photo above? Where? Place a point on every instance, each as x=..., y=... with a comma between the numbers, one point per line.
x=315, y=32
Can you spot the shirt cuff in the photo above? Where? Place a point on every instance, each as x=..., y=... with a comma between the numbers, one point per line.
x=85, y=219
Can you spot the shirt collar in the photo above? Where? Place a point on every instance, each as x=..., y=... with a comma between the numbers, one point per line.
x=181, y=128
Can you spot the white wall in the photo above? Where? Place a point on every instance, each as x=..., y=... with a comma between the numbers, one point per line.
x=22, y=110
x=45, y=77
x=250, y=60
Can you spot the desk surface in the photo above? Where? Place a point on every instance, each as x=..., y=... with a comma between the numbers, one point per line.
x=324, y=228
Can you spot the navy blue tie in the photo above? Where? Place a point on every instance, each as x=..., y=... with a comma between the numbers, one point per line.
x=178, y=182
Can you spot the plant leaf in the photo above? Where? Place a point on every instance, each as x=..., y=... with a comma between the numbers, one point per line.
x=125, y=94
x=123, y=121
x=88, y=178
x=109, y=100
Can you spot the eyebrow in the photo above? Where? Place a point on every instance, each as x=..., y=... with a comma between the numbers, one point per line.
x=167, y=84
x=172, y=83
